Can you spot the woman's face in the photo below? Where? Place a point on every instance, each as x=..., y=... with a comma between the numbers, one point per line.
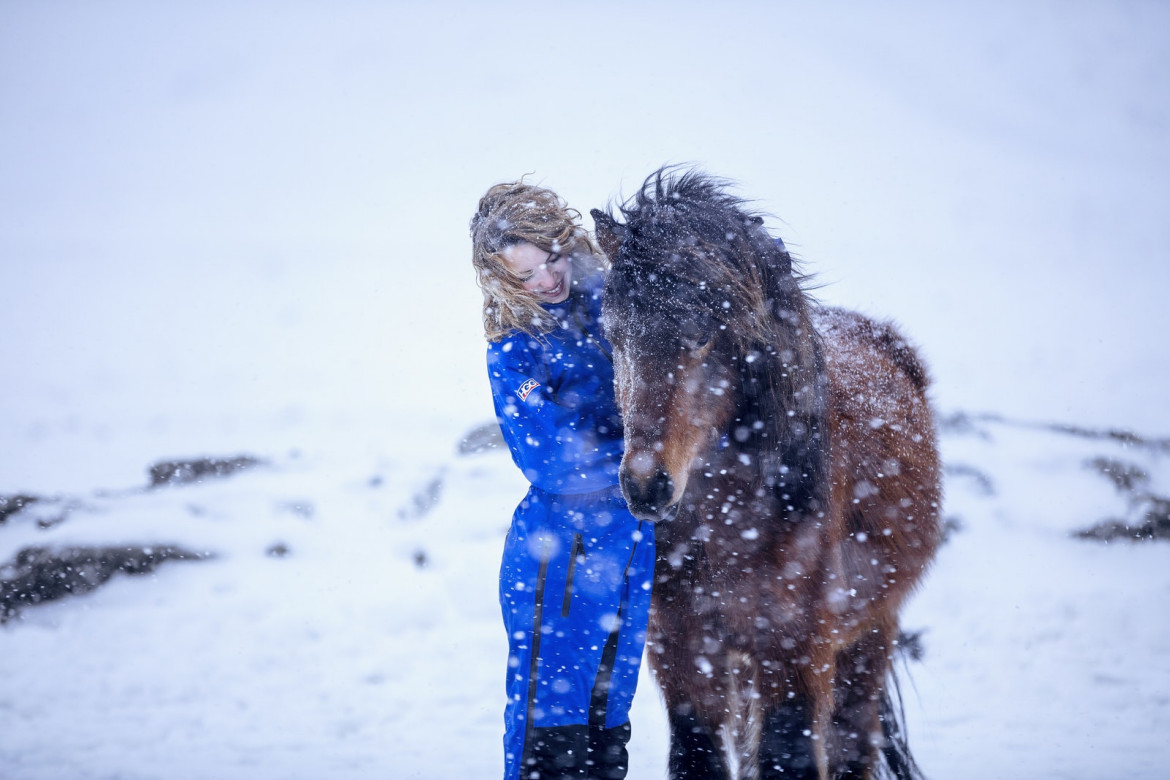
x=545, y=275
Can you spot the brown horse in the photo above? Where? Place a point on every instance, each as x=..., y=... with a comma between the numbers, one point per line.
x=788, y=453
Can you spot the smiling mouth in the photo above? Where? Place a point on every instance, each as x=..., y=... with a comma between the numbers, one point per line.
x=554, y=292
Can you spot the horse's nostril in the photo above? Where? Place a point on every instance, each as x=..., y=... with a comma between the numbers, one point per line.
x=662, y=488
x=650, y=497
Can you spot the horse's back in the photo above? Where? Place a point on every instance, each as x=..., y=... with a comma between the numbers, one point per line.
x=885, y=467
x=856, y=345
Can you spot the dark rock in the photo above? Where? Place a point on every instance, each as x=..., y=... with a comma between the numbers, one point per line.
x=982, y=482
x=951, y=525
x=975, y=423
x=1126, y=477
x=277, y=550
x=1122, y=436
x=48, y=521
x=10, y=505
x=182, y=472
x=962, y=424
x=39, y=574
x=967, y=423
x=482, y=438
x=1150, y=514
x=424, y=499
x=420, y=558
x=1153, y=524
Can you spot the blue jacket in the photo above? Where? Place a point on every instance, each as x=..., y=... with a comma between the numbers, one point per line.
x=554, y=398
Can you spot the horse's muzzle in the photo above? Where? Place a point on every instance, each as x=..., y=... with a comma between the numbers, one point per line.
x=648, y=498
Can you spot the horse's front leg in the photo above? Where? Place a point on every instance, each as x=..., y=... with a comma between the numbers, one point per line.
x=788, y=746
x=694, y=686
x=696, y=751
x=796, y=699
x=859, y=689
x=796, y=695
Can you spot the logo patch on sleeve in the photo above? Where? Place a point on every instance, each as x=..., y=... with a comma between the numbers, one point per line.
x=525, y=389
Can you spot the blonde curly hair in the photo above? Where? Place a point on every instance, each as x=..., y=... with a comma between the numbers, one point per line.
x=510, y=214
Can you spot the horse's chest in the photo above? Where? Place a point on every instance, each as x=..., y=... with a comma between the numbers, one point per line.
x=732, y=549
x=729, y=514
x=723, y=538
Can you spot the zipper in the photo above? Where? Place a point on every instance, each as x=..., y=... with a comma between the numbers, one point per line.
x=599, y=698
x=578, y=550
x=626, y=572
x=579, y=319
x=534, y=660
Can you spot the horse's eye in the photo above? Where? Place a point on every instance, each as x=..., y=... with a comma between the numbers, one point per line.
x=697, y=341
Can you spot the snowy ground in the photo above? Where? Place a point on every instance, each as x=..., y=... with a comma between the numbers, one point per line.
x=372, y=648
x=232, y=229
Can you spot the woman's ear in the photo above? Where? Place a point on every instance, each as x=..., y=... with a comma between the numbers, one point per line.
x=609, y=233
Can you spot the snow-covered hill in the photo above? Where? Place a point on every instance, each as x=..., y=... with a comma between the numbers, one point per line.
x=345, y=623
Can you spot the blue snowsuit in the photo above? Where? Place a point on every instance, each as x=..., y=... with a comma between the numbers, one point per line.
x=577, y=566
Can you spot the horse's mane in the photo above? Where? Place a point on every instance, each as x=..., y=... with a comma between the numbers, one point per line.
x=689, y=228
x=670, y=189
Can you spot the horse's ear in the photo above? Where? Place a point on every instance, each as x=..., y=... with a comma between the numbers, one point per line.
x=610, y=234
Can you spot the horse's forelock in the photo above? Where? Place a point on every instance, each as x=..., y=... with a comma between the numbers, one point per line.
x=705, y=250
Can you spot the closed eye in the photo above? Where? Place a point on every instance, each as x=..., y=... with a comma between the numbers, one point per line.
x=696, y=340
x=552, y=259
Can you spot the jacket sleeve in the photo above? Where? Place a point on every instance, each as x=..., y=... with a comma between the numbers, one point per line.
x=551, y=432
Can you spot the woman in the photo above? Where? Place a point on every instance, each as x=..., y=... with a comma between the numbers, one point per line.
x=577, y=568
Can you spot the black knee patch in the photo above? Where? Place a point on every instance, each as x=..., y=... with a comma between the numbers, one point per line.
x=608, y=758
x=556, y=753
x=786, y=750
x=694, y=753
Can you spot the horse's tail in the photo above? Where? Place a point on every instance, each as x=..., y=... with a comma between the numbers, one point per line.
x=899, y=763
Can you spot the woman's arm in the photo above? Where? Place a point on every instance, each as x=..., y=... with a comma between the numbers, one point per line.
x=553, y=438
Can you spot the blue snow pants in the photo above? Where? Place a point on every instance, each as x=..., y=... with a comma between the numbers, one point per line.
x=575, y=592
